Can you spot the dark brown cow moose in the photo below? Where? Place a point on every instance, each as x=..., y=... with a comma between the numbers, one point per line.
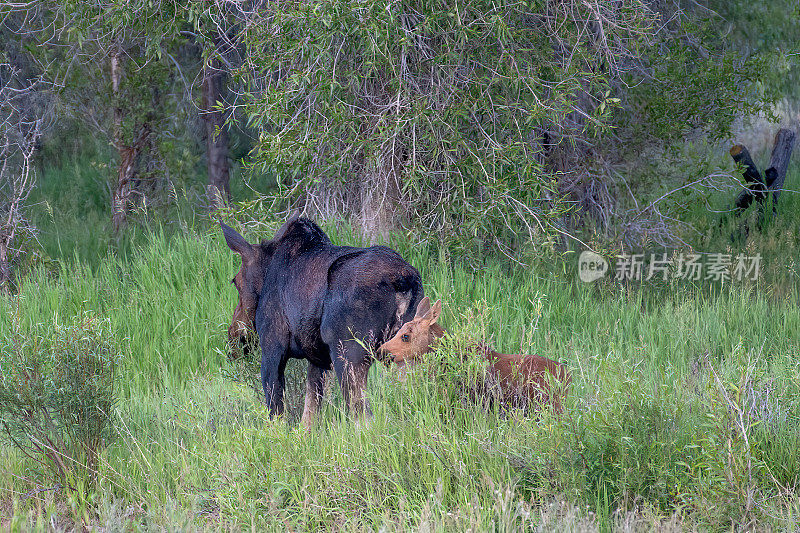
x=516, y=380
x=330, y=305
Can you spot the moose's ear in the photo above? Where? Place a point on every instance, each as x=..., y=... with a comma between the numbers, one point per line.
x=423, y=307
x=237, y=243
x=285, y=226
x=435, y=311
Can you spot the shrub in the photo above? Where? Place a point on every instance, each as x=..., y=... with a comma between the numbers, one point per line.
x=57, y=395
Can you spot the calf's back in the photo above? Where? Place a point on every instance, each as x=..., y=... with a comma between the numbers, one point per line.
x=521, y=379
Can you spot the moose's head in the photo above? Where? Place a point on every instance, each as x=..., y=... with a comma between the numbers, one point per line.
x=249, y=281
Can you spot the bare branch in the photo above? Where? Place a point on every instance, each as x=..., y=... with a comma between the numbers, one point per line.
x=21, y=124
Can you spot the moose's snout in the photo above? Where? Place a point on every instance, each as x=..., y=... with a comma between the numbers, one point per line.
x=242, y=340
x=385, y=355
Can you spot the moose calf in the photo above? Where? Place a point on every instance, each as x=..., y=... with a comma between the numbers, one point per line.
x=515, y=379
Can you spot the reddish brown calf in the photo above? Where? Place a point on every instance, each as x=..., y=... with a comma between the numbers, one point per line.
x=515, y=379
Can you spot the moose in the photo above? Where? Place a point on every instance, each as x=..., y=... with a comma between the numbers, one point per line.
x=332, y=305
x=519, y=380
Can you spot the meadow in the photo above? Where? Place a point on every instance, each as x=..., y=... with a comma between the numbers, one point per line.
x=684, y=409
x=684, y=412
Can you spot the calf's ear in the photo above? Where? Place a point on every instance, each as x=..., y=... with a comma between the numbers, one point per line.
x=423, y=307
x=237, y=243
x=435, y=311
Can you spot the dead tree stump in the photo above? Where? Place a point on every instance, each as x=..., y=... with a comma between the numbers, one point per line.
x=779, y=162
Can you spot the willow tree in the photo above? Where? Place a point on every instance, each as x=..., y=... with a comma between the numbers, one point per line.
x=435, y=112
x=126, y=70
x=475, y=118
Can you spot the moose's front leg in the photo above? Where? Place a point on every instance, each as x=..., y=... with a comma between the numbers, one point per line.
x=273, y=364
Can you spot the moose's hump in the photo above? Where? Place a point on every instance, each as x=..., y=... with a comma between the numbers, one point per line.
x=301, y=233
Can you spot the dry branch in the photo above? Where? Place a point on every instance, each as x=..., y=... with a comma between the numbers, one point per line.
x=21, y=125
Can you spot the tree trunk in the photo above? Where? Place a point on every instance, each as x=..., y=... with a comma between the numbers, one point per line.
x=380, y=206
x=216, y=135
x=758, y=188
x=128, y=156
x=122, y=189
x=116, y=73
x=779, y=162
x=122, y=184
x=5, y=268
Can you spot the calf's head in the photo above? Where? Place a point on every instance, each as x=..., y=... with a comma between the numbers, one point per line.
x=248, y=281
x=415, y=338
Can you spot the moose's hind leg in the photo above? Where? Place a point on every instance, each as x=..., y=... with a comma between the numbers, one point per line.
x=314, y=392
x=351, y=361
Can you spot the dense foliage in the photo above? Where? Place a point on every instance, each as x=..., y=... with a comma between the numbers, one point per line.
x=478, y=119
x=768, y=30
x=488, y=123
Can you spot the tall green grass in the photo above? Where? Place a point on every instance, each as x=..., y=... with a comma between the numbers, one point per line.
x=70, y=206
x=685, y=408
